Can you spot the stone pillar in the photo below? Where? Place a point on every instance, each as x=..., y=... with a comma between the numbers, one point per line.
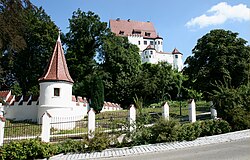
x=91, y=123
x=46, y=125
x=132, y=118
x=165, y=113
x=191, y=111
x=213, y=111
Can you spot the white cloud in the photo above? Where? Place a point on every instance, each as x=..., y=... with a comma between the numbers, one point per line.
x=219, y=14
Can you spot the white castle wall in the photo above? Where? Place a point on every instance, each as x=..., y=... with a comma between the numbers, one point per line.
x=21, y=112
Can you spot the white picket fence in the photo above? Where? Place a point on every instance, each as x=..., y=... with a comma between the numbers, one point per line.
x=47, y=121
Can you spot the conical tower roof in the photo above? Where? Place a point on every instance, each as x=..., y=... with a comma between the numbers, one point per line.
x=57, y=69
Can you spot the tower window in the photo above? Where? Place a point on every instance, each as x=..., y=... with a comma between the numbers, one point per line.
x=158, y=42
x=57, y=92
x=145, y=42
x=176, y=56
x=151, y=43
x=139, y=42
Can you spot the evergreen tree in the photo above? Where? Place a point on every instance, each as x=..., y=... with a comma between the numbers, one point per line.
x=97, y=93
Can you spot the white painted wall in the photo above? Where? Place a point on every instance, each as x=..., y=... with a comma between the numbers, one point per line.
x=47, y=100
x=21, y=112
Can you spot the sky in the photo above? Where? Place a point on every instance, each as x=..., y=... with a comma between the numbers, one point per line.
x=179, y=22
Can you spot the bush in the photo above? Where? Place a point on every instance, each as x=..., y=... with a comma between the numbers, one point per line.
x=213, y=127
x=72, y=146
x=28, y=149
x=189, y=131
x=100, y=142
x=165, y=131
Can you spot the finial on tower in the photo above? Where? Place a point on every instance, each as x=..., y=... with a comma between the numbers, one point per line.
x=59, y=32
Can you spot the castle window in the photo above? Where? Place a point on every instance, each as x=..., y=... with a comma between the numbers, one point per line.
x=57, y=92
x=139, y=42
x=145, y=42
x=147, y=34
x=151, y=52
x=121, y=32
x=158, y=42
x=176, y=56
x=151, y=42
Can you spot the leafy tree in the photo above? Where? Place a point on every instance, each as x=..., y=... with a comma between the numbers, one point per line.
x=26, y=64
x=217, y=55
x=83, y=41
x=156, y=82
x=97, y=93
x=232, y=104
x=121, y=64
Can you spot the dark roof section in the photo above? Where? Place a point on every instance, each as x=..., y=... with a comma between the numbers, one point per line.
x=175, y=51
x=57, y=69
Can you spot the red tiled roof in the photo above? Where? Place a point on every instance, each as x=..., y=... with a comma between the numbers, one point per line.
x=4, y=94
x=175, y=51
x=57, y=69
x=129, y=27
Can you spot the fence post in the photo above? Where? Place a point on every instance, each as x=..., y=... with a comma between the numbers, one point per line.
x=213, y=111
x=91, y=123
x=2, y=123
x=191, y=111
x=132, y=118
x=46, y=125
x=165, y=113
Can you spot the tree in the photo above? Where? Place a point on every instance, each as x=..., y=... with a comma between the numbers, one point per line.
x=97, y=93
x=25, y=65
x=156, y=82
x=218, y=55
x=121, y=65
x=83, y=41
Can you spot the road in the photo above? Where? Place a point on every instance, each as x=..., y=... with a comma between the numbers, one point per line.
x=235, y=150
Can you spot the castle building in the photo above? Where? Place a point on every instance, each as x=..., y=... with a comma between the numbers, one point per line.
x=150, y=44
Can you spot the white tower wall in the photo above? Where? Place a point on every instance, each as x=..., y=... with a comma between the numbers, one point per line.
x=158, y=45
x=48, y=100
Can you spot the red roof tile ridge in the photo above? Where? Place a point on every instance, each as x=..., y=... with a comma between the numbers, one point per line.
x=57, y=67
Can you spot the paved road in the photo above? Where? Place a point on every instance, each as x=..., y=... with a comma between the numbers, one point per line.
x=235, y=150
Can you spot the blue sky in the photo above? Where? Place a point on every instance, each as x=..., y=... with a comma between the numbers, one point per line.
x=180, y=22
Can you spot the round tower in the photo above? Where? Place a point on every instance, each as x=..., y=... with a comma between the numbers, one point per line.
x=158, y=44
x=56, y=83
x=177, y=60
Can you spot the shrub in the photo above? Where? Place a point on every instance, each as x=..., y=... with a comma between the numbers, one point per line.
x=72, y=146
x=165, y=131
x=28, y=149
x=99, y=142
x=189, y=131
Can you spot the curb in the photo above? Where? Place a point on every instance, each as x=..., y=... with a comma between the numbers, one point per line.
x=158, y=147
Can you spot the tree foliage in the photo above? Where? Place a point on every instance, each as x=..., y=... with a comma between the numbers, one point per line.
x=83, y=41
x=217, y=55
x=97, y=93
x=24, y=64
x=155, y=82
x=121, y=65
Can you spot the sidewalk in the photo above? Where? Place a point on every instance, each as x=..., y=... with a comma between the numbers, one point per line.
x=126, y=151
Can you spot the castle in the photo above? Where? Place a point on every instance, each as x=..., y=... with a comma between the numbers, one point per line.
x=55, y=95
x=150, y=44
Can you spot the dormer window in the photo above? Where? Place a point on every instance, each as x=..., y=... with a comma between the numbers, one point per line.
x=121, y=32
x=56, y=92
x=147, y=34
x=136, y=31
